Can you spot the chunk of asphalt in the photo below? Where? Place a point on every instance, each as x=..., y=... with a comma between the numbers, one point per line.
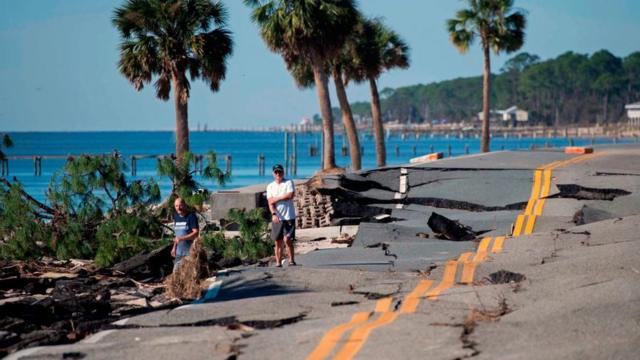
x=574, y=191
x=450, y=229
x=505, y=277
x=343, y=303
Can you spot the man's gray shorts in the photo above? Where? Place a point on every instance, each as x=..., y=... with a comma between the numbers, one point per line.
x=282, y=229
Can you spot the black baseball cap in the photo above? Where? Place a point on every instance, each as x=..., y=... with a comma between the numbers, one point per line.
x=277, y=167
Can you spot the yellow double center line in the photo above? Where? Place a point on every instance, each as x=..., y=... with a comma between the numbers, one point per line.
x=539, y=191
x=363, y=323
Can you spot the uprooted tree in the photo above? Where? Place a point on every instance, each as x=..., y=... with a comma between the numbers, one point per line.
x=92, y=212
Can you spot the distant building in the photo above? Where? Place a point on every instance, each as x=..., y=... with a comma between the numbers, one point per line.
x=633, y=113
x=508, y=117
x=306, y=122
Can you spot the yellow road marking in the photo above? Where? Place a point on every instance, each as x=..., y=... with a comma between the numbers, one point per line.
x=517, y=230
x=413, y=299
x=531, y=221
x=360, y=334
x=470, y=266
x=449, y=276
x=383, y=305
x=330, y=339
x=535, y=191
x=497, y=244
x=545, y=192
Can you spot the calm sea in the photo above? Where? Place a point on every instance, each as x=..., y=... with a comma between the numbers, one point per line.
x=244, y=148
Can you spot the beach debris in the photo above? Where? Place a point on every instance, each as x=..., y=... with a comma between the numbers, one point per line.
x=422, y=235
x=344, y=238
x=49, y=301
x=505, y=277
x=573, y=191
x=155, y=264
x=186, y=280
x=448, y=229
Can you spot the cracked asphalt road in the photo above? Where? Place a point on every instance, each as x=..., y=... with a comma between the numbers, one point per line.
x=580, y=297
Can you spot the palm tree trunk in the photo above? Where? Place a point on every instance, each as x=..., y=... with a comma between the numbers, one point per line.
x=349, y=124
x=378, y=131
x=322, y=89
x=486, y=91
x=182, y=119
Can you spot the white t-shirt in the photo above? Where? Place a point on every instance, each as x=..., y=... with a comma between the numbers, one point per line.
x=284, y=209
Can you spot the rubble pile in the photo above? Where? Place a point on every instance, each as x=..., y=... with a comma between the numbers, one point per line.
x=50, y=301
x=312, y=208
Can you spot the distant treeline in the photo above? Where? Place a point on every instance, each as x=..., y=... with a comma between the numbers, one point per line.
x=572, y=88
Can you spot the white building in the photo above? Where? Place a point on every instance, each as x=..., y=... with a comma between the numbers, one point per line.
x=509, y=117
x=633, y=113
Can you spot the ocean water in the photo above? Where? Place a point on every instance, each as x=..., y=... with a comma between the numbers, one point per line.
x=244, y=148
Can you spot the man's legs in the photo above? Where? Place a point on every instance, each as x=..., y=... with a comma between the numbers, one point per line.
x=278, y=251
x=289, y=242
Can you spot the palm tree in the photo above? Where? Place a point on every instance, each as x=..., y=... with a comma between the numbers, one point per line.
x=310, y=31
x=168, y=39
x=303, y=75
x=377, y=49
x=340, y=68
x=500, y=28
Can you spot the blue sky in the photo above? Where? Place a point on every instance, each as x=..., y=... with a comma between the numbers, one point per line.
x=58, y=62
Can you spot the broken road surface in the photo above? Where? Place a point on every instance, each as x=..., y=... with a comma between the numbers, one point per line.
x=566, y=287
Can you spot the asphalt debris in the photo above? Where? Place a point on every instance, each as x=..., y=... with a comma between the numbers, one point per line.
x=448, y=229
x=505, y=277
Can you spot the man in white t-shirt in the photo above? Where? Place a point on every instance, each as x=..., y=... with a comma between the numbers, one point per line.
x=283, y=214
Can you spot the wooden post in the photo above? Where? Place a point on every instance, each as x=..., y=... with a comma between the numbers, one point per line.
x=449, y=149
x=294, y=156
x=431, y=149
x=397, y=150
x=414, y=150
x=133, y=165
x=261, y=164
x=466, y=148
x=228, y=164
x=286, y=152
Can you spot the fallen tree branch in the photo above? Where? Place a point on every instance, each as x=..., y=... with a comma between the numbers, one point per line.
x=28, y=197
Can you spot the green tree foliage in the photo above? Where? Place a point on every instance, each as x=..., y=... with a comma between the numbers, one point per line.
x=558, y=91
x=23, y=231
x=93, y=212
x=181, y=173
x=632, y=75
x=171, y=40
x=253, y=242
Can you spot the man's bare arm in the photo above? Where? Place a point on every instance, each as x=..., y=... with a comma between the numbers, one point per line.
x=191, y=236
